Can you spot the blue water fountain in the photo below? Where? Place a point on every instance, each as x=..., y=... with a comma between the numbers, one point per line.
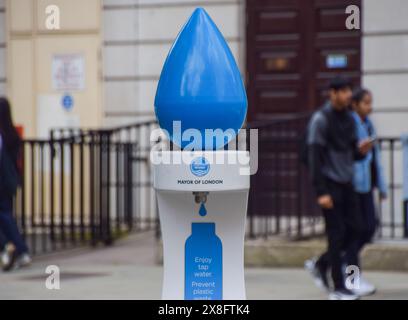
x=201, y=104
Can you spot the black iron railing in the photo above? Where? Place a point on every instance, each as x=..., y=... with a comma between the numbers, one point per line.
x=85, y=187
x=391, y=210
x=282, y=201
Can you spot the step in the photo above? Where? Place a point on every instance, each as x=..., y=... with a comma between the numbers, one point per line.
x=385, y=256
x=280, y=253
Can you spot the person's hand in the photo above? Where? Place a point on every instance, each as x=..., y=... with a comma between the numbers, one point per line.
x=365, y=146
x=325, y=201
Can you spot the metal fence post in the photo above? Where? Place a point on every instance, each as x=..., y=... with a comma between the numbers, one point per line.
x=405, y=208
x=105, y=148
x=404, y=140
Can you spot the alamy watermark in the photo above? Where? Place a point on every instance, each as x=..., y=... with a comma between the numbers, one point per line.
x=212, y=140
x=353, y=19
x=353, y=277
x=52, y=19
x=53, y=281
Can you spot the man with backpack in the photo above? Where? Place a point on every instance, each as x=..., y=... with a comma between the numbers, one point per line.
x=332, y=148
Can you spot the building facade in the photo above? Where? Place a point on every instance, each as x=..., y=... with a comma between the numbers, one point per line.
x=137, y=37
x=123, y=43
x=2, y=48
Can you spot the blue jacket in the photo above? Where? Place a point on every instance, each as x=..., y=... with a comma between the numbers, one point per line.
x=362, y=168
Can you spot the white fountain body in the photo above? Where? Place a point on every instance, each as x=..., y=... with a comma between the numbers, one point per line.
x=227, y=185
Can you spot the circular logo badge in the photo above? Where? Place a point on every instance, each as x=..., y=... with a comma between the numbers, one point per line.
x=67, y=101
x=199, y=166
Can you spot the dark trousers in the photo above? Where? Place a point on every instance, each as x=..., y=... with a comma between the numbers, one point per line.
x=343, y=228
x=369, y=217
x=3, y=242
x=8, y=225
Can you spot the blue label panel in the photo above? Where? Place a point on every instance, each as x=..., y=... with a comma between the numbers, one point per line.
x=203, y=264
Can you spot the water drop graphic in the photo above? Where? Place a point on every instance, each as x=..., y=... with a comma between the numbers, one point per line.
x=203, y=210
x=200, y=86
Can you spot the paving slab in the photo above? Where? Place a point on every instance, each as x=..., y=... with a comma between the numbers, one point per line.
x=127, y=270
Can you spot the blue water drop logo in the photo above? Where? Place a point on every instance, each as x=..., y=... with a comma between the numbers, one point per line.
x=201, y=86
x=202, y=211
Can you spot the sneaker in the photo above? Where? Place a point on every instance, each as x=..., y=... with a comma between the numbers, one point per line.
x=365, y=288
x=11, y=261
x=343, y=294
x=23, y=260
x=5, y=258
x=319, y=276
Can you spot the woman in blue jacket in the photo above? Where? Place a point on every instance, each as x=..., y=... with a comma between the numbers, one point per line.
x=368, y=172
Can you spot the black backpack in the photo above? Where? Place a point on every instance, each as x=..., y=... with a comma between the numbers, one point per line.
x=9, y=175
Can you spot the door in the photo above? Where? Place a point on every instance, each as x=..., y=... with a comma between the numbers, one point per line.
x=293, y=48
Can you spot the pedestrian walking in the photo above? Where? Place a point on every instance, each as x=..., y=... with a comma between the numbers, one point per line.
x=10, y=145
x=332, y=148
x=368, y=175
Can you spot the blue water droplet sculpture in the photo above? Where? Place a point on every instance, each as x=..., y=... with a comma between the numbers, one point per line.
x=202, y=211
x=201, y=86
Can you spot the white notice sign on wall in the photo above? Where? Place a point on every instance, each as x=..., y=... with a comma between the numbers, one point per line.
x=68, y=72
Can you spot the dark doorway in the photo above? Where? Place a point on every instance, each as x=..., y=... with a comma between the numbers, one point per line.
x=293, y=48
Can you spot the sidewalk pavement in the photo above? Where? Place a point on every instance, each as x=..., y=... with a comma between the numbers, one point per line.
x=127, y=271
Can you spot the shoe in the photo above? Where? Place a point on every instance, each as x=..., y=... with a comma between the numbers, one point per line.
x=319, y=276
x=11, y=261
x=343, y=294
x=23, y=260
x=5, y=258
x=364, y=288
